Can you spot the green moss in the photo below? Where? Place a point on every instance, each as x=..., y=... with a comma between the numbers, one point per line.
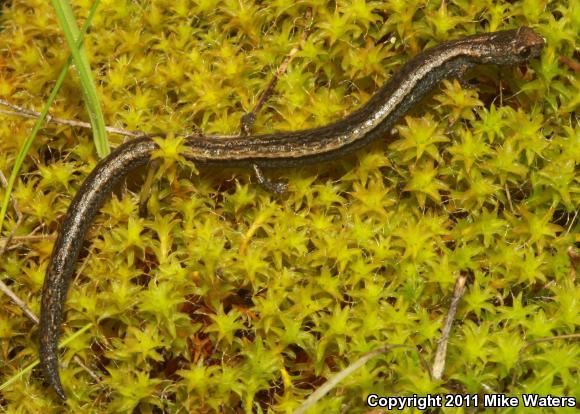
x=225, y=298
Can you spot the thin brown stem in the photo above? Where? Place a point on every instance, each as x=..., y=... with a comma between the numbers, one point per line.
x=439, y=363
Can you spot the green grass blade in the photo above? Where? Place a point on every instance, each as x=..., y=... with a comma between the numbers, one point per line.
x=68, y=24
x=30, y=139
x=34, y=363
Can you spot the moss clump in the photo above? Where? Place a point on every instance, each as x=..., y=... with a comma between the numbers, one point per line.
x=228, y=299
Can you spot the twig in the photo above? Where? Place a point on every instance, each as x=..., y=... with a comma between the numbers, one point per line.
x=509, y=197
x=549, y=339
x=571, y=223
x=10, y=237
x=439, y=363
x=89, y=371
x=336, y=379
x=249, y=118
x=538, y=341
x=572, y=64
x=27, y=113
x=16, y=240
x=22, y=305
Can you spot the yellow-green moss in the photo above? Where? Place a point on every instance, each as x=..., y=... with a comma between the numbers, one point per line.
x=228, y=299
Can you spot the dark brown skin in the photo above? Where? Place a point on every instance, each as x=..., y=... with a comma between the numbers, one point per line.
x=279, y=150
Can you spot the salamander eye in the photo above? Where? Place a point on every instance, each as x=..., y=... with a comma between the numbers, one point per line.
x=524, y=52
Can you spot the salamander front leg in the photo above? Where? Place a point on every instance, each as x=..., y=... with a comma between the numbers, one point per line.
x=276, y=187
x=246, y=126
x=460, y=75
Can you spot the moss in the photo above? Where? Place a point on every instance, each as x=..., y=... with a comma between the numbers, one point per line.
x=228, y=298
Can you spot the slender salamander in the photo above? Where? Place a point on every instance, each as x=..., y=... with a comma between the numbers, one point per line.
x=277, y=150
